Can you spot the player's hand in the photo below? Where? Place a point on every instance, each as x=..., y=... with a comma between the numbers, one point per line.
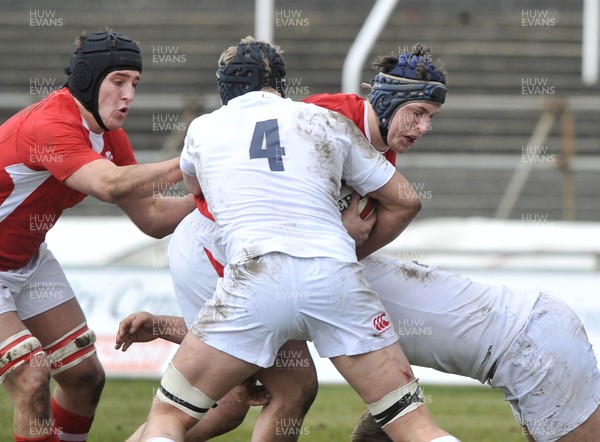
x=250, y=393
x=137, y=327
x=359, y=229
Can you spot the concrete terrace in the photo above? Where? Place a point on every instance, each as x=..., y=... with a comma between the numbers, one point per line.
x=507, y=62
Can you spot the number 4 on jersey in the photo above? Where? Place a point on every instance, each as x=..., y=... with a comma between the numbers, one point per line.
x=265, y=144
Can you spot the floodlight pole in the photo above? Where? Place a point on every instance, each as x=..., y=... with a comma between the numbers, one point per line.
x=589, y=42
x=363, y=44
x=264, y=13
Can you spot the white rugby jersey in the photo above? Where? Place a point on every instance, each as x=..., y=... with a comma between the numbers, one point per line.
x=445, y=320
x=270, y=169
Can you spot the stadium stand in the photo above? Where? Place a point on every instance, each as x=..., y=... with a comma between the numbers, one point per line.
x=507, y=62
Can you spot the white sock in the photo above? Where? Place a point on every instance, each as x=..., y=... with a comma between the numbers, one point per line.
x=448, y=438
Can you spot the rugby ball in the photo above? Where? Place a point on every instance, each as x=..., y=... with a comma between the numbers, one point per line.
x=366, y=205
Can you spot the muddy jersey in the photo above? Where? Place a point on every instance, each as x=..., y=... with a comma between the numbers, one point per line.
x=40, y=147
x=353, y=107
x=445, y=320
x=270, y=170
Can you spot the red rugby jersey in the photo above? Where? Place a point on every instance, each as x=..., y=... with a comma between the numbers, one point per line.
x=352, y=107
x=40, y=147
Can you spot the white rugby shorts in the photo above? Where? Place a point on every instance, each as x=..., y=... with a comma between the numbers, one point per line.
x=263, y=303
x=35, y=288
x=194, y=278
x=550, y=374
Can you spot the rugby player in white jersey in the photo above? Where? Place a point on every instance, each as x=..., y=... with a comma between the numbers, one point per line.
x=270, y=170
x=474, y=329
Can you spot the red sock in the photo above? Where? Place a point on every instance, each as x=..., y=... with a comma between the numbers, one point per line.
x=52, y=438
x=72, y=427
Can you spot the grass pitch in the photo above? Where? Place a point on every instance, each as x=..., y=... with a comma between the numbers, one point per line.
x=470, y=413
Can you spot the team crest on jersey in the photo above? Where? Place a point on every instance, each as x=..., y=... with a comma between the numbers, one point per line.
x=109, y=156
x=381, y=323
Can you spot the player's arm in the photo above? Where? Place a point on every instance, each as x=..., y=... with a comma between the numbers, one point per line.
x=146, y=327
x=395, y=211
x=113, y=184
x=157, y=215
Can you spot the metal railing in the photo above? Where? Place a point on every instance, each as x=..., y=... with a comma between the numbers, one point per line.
x=551, y=111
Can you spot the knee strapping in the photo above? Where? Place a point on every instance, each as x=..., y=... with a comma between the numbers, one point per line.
x=175, y=390
x=16, y=350
x=71, y=349
x=396, y=404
